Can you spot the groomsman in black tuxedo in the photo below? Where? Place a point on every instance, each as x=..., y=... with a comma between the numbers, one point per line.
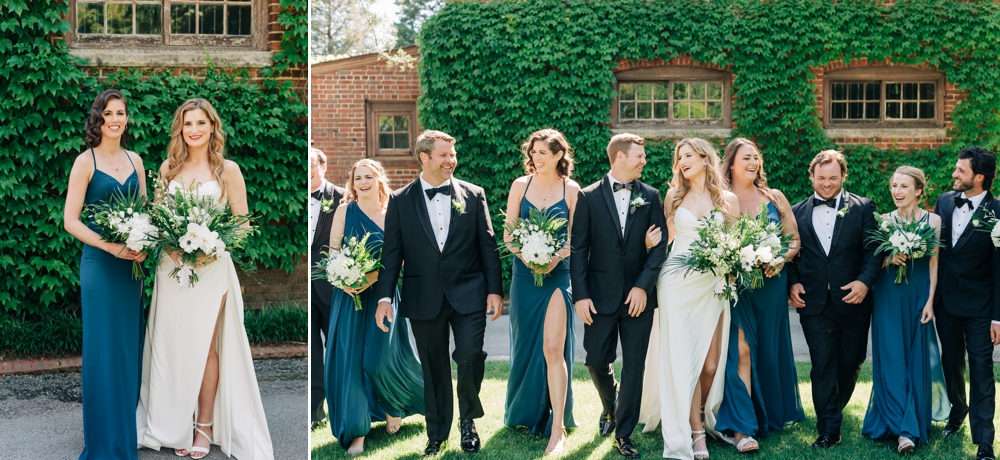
x=452, y=277
x=323, y=200
x=967, y=301
x=829, y=283
x=614, y=280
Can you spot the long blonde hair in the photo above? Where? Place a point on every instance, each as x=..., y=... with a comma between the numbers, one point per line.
x=380, y=176
x=177, y=152
x=713, y=179
x=760, y=181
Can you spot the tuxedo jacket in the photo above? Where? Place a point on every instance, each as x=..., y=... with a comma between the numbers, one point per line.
x=464, y=272
x=604, y=265
x=321, y=239
x=851, y=257
x=969, y=272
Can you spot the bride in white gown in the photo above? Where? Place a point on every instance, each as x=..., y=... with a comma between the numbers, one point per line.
x=685, y=350
x=196, y=362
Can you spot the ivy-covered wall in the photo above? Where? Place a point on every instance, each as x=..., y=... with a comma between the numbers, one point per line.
x=493, y=72
x=45, y=100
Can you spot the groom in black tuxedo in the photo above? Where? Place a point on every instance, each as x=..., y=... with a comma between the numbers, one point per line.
x=967, y=301
x=323, y=200
x=452, y=277
x=614, y=280
x=829, y=282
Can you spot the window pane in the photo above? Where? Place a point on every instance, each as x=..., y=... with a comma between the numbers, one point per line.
x=210, y=19
x=909, y=92
x=384, y=141
x=927, y=91
x=385, y=124
x=872, y=91
x=626, y=92
x=839, y=92
x=644, y=110
x=838, y=110
x=681, y=108
x=909, y=108
x=892, y=109
x=892, y=91
x=238, y=22
x=402, y=122
x=680, y=93
x=402, y=140
x=148, y=20
x=855, y=110
x=698, y=91
x=714, y=91
x=871, y=110
x=714, y=110
x=644, y=92
x=182, y=19
x=854, y=91
x=119, y=18
x=90, y=18
x=627, y=110
x=926, y=110
x=698, y=109
x=660, y=92
x=661, y=110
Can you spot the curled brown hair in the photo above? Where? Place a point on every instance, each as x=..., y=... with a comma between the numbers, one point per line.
x=713, y=180
x=760, y=181
x=380, y=176
x=829, y=156
x=555, y=142
x=95, y=120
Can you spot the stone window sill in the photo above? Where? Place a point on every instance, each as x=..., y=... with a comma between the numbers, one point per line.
x=174, y=58
x=886, y=133
x=677, y=132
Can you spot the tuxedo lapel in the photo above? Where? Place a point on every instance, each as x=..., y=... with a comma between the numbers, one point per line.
x=609, y=199
x=947, y=209
x=807, y=224
x=327, y=195
x=636, y=192
x=977, y=214
x=417, y=195
x=457, y=194
x=839, y=223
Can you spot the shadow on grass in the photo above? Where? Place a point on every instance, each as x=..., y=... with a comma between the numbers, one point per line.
x=377, y=441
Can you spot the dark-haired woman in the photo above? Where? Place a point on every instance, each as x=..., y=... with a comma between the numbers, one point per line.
x=539, y=395
x=111, y=300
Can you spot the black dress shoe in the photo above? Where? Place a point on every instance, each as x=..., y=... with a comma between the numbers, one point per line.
x=951, y=428
x=626, y=448
x=606, y=425
x=827, y=440
x=433, y=447
x=470, y=438
x=985, y=452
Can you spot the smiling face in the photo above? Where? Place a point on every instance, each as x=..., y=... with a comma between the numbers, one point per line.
x=364, y=182
x=543, y=158
x=115, y=119
x=628, y=165
x=440, y=163
x=904, y=190
x=689, y=163
x=197, y=128
x=827, y=179
x=316, y=172
x=746, y=164
x=965, y=179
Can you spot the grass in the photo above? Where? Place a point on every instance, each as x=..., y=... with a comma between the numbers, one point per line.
x=501, y=442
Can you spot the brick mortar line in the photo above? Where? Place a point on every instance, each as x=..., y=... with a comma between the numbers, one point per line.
x=37, y=366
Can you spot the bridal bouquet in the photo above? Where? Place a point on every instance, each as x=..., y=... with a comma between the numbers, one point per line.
x=988, y=224
x=537, y=238
x=914, y=239
x=121, y=220
x=198, y=227
x=763, y=245
x=349, y=266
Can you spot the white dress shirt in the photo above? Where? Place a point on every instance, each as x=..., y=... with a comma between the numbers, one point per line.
x=824, y=219
x=961, y=217
x=315, y=208
x=438, y=210
x=621, y=202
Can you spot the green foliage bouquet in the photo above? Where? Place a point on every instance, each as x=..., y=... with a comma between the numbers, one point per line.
x=350, y=267
x=913, y=239
x=121, y=220
x=537, y=239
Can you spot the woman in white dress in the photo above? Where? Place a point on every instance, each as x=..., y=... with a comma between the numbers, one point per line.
x=198, y=382
x=692, y=320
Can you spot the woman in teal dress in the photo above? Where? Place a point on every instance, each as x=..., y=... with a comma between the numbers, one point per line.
x=907, y=381
x=761, y=391
x=539, y=389
x=371, y=375
x=111, y=301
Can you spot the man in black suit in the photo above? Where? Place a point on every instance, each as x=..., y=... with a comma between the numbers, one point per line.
x=614, y=280
x=967, y=301
x=829, y=282
x=324, y=198
x=452, y=272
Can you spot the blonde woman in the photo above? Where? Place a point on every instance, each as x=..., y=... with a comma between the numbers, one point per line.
x=198, y=382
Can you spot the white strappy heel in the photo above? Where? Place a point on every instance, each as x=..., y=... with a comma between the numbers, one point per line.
x=199, y=449
x=699, y=454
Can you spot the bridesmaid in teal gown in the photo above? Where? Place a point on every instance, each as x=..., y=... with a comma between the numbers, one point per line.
x=371, y=375
x=907, y=380
x=111, y=301
x=539, y=389
x=761, y=391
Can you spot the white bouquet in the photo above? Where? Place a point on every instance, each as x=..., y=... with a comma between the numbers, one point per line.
x=914, y=239
x=537, y=238
x=121, y=220
x=351, y=266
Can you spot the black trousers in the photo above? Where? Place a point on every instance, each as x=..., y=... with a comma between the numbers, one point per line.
x=319, y=321
x=838, y=345
x=431, y=337
x=960, y=335
x=600, y=341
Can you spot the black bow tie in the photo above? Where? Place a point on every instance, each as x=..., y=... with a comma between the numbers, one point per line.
x=962, y=201
x=618, y=187
x=444, y=190
x=318, y=194
x=832, y=202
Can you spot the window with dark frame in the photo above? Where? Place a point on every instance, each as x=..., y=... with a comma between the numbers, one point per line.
x=886, y=97
x=391, y=128
x=670, y=101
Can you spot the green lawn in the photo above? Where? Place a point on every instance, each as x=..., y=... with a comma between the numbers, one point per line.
x=500, y=442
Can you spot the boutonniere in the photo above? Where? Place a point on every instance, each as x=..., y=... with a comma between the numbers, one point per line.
x=843, y=211
x=636, y=203
x=457, y=205
x=327, y=206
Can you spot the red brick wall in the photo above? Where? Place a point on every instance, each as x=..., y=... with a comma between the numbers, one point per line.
x=339, y=90
x=267, y=288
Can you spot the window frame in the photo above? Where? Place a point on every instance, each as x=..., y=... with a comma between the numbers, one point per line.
x=883, y=76
x=257, y=40
x=674, y=74
x=377, y=108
